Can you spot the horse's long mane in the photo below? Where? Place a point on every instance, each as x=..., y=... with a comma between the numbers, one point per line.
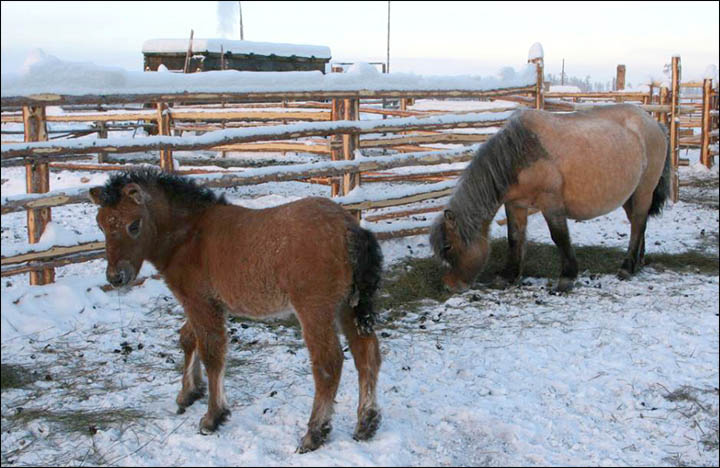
x=179, y=190
x=483, y=184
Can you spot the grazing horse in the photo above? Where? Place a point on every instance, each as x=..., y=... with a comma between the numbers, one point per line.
x=578, y=165
x=309, y=257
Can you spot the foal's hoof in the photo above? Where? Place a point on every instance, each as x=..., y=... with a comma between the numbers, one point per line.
x=565, y=285
x=183, y=401
x=209, y=423
x=314, y=438
x=368, y=426
x=623, y=274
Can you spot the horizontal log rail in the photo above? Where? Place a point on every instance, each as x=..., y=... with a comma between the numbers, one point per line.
x=53, y=99
x=39, y=151
x=257, y=176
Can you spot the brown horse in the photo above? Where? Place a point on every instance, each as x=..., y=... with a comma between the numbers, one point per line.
x=578, y=165
x=309, y=257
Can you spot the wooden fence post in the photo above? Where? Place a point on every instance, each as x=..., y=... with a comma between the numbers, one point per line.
x=102, y=133
x=539, y=85
x=166, y=160
x=705, y=133
x=620, y=81
x=674, y=101
x=351, y=142
x=337, y=112
x=663, y=101
x=37, y=180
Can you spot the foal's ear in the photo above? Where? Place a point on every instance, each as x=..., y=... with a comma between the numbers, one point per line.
x=94, y=195
x=449, y=218
x=136, y=193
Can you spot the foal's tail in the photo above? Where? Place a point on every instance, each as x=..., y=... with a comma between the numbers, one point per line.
x=662, y=190
x=366, y=258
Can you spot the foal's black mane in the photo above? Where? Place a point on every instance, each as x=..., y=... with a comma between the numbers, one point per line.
x=178, y=189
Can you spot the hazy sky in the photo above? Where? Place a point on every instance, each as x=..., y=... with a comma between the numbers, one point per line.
x=425, y=37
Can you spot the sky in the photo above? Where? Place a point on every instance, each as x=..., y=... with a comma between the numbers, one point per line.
x=436, y=38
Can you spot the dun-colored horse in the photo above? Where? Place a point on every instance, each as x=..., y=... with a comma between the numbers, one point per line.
x=578, y=165
x=309, y=257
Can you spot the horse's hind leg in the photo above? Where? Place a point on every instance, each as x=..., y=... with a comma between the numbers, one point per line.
x=366, y=353
x=561, y=236
x=192, y=384
x=516, y=230
x=327, y=359
x=637, y=213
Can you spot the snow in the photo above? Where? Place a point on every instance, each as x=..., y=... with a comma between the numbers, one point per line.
x=536, y=51
x=564, y=89
x=488, y=377
x=159, y=46
x=47, y=74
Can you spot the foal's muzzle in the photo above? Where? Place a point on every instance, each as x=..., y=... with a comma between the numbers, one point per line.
x=121, y=275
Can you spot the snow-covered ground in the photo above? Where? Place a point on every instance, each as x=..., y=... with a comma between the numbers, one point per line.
x=615, y=373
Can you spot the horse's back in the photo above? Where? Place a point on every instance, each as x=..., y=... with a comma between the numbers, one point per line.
x=259, y=260
x=597, y=158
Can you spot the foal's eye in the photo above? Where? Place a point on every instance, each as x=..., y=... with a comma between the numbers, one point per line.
x=134, y=228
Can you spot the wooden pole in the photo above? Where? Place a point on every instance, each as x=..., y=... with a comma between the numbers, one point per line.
x=663, y=100
x=674, y=102
x=163, y=118
x=37, y=180
x=351, y=142
x=705, y=157
x=186, y=68
x=539, y=85
x=620, y=81
x=102, y=133
x=337, y=112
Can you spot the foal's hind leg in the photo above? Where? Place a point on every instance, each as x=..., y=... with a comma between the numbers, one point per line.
x=637, y=213
x=366, y=353
x=516, y=229
x=192, y=384
x=561, y=236
x=327, y=359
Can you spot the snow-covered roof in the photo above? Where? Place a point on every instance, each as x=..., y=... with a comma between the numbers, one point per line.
x=159, y=46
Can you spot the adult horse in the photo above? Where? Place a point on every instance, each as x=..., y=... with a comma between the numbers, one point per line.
x=309, y=257
x=578, y=165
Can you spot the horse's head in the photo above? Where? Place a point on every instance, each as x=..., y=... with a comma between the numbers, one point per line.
x=128, y=231
x=465, y=261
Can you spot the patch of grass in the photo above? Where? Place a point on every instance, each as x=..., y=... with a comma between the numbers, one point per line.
x=409, y=281
x=81, y=421
x=16, y=376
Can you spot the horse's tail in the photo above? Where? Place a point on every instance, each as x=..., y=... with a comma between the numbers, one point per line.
x=662, y=190
x=366, y=259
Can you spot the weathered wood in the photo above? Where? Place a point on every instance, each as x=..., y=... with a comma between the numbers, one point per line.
x=166, y=161
x=351, y=142
x=37, y=180
x=706, y=122
x=51, y=99
x=402, y=233
x=37, y=265
x=51, y=252
x=620, y=81
x=402, y=213
x=186, y=68
x=337, y=112
x=674, y=101
x=392, y=201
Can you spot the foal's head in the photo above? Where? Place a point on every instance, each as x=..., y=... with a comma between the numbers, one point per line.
x=465, y=260
x=124, y=218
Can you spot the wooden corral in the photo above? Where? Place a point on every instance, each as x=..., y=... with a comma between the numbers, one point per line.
x=326, y=123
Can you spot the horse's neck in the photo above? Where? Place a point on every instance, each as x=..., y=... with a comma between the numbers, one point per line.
x=173, y=229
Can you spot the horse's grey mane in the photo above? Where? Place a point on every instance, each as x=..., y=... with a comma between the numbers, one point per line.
x=483, y=184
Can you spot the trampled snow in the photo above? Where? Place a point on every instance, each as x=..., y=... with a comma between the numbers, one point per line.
x=488, y=377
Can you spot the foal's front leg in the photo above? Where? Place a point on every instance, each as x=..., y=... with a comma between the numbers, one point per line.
x=516, y=228
x=208, y=323
x=192, y=384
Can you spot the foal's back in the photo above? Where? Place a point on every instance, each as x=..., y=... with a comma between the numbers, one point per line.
x=258, y=262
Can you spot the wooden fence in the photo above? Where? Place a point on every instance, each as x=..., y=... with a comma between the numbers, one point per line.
x=330, y=118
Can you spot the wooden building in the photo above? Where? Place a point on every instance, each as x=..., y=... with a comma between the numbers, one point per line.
x=219, y=54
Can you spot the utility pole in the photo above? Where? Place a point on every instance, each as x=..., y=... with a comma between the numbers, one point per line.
x=241, y=26
x=388, y=40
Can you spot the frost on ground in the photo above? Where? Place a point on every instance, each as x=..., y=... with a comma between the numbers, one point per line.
x=615, y=373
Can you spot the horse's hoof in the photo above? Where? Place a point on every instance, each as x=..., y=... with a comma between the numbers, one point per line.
x=183, y=401
x=209, y=424
x=623, y=274
x=499, y=283
x=565, y=285
x=368, y=426
x=314, y=438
